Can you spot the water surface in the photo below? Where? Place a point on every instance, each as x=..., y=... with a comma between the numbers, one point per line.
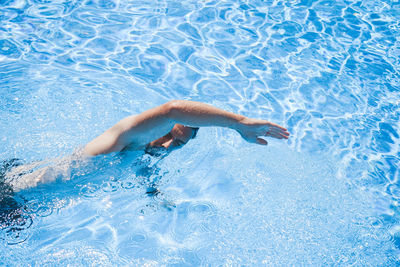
x=328, y=70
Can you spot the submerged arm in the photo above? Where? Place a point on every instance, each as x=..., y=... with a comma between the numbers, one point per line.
x=156, y=122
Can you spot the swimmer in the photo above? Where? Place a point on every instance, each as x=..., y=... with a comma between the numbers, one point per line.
x=167, y=127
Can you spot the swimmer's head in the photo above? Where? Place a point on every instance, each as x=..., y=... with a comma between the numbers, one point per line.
x=177, y=137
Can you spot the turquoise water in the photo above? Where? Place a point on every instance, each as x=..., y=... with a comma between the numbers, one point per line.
x=327, y=70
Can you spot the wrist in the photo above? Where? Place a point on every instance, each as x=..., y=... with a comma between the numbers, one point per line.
x=240, y=123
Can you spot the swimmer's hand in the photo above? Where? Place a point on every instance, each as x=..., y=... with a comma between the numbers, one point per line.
x=253, y=129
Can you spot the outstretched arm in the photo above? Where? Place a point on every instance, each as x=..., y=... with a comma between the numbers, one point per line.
x=197, y=114
x=141, y=129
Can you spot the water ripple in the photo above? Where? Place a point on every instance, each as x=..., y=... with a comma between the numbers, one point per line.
x=327, y=70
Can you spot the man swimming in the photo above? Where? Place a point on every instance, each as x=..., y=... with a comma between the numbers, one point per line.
x=168, y=126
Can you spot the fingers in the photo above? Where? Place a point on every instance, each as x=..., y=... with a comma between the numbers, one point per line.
x=276, y=126
x=279, y=133
x=278, y=136
x=284, y=135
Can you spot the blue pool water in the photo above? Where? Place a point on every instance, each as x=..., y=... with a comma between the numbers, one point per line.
x=328, y=70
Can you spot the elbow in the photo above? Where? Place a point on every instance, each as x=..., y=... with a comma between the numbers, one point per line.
x=173, y=107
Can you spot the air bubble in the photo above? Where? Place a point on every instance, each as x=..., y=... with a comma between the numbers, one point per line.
x=89, y=191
